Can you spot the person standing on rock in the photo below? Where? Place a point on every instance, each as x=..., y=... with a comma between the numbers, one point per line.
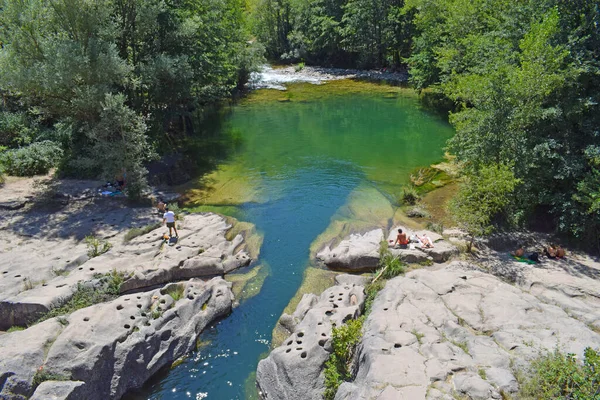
x=169, y=218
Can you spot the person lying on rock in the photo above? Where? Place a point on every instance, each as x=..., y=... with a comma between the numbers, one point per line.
x=169, y=218
x=519, y=252
x=401, y=240
x=554, y=251
x=425, y=241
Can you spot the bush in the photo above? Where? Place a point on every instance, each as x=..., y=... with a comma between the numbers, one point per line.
x=42, y=375
x=109, y=287
x=35, y=159
x=409, y=195
x=559, y=376
x=337, y=368
x=96, y=246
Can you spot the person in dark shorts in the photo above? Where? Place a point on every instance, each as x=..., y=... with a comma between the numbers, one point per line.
x=169, y=219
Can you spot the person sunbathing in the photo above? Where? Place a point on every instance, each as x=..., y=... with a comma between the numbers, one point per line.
x=425, y=241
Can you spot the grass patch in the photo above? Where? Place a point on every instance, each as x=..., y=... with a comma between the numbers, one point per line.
x=96, y=246
x=390, y=265
x=562, y=376
x=15, y=329
x=462, y=345
x=418, y=335
x=42, y=376
x=482, y=374
x=176, y=292
x=84, y=296
x=337, y=368
x=135, y=232
x=371, y=291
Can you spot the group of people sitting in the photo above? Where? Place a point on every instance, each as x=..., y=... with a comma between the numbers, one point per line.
x=553, y=251
x=403, y=241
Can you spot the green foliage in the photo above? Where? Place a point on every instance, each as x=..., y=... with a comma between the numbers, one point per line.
x=135, y=232
x=96, y=246
x=392, y=266
x=41, y=375
x=106, y=80
x=482, y=195
x=34, y=159
x=559, y=376
x=107, y=288
x=15, y=329
x=337, y=368
x=409, y=195
x=359, y=33
x=176, y=292
x=371, y=291
x=524, y=80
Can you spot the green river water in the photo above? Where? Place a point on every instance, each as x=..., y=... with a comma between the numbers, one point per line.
x=306, y=166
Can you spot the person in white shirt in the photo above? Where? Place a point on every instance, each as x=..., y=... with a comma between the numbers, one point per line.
x=169, y=218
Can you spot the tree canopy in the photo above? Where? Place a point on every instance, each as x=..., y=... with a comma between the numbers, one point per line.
x=87, y=74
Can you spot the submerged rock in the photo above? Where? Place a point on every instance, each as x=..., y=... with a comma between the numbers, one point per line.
x=294, y=370
x=101, y=352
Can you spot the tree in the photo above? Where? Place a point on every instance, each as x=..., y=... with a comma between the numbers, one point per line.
x=117, y=145
x=483, y=194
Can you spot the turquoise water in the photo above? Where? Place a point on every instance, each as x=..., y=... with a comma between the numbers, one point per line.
x=295, y=167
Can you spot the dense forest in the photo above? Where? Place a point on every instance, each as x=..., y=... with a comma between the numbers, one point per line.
x=521, y=80
x=97, y=87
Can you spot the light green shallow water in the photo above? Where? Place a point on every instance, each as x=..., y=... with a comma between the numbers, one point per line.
x=302, y=171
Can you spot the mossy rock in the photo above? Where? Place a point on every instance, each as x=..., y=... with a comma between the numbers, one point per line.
x=247, y=285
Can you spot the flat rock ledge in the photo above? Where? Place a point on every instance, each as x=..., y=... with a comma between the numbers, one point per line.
x=360, y=252
x=293, y=370
x=101, y=352
x=454, y=331
x=33, y=279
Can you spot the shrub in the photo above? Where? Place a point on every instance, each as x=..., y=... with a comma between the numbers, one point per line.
x=176, y=292
x=299, y=67
x=35, y=159
x=96, y=246
x=483, y=195
x=559, y=376
x=42, y=375
x=409, y=195
x=85, y=296
x=337, y=368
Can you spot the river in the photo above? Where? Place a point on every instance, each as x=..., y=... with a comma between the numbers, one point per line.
x=307, y=164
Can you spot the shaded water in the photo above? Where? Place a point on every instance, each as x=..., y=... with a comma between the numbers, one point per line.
x=297, y=165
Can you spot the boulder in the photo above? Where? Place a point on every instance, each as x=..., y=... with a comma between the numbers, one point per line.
x=358, y=252
x=293, y=370
x=112, y=347
x=442, y=251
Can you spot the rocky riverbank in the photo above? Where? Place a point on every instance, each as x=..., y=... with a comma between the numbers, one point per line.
x=455, y=329
x=124, y=304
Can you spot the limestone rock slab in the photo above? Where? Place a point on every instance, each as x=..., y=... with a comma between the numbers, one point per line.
x=112, y=347
x=357, y=252
x=294, y=370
